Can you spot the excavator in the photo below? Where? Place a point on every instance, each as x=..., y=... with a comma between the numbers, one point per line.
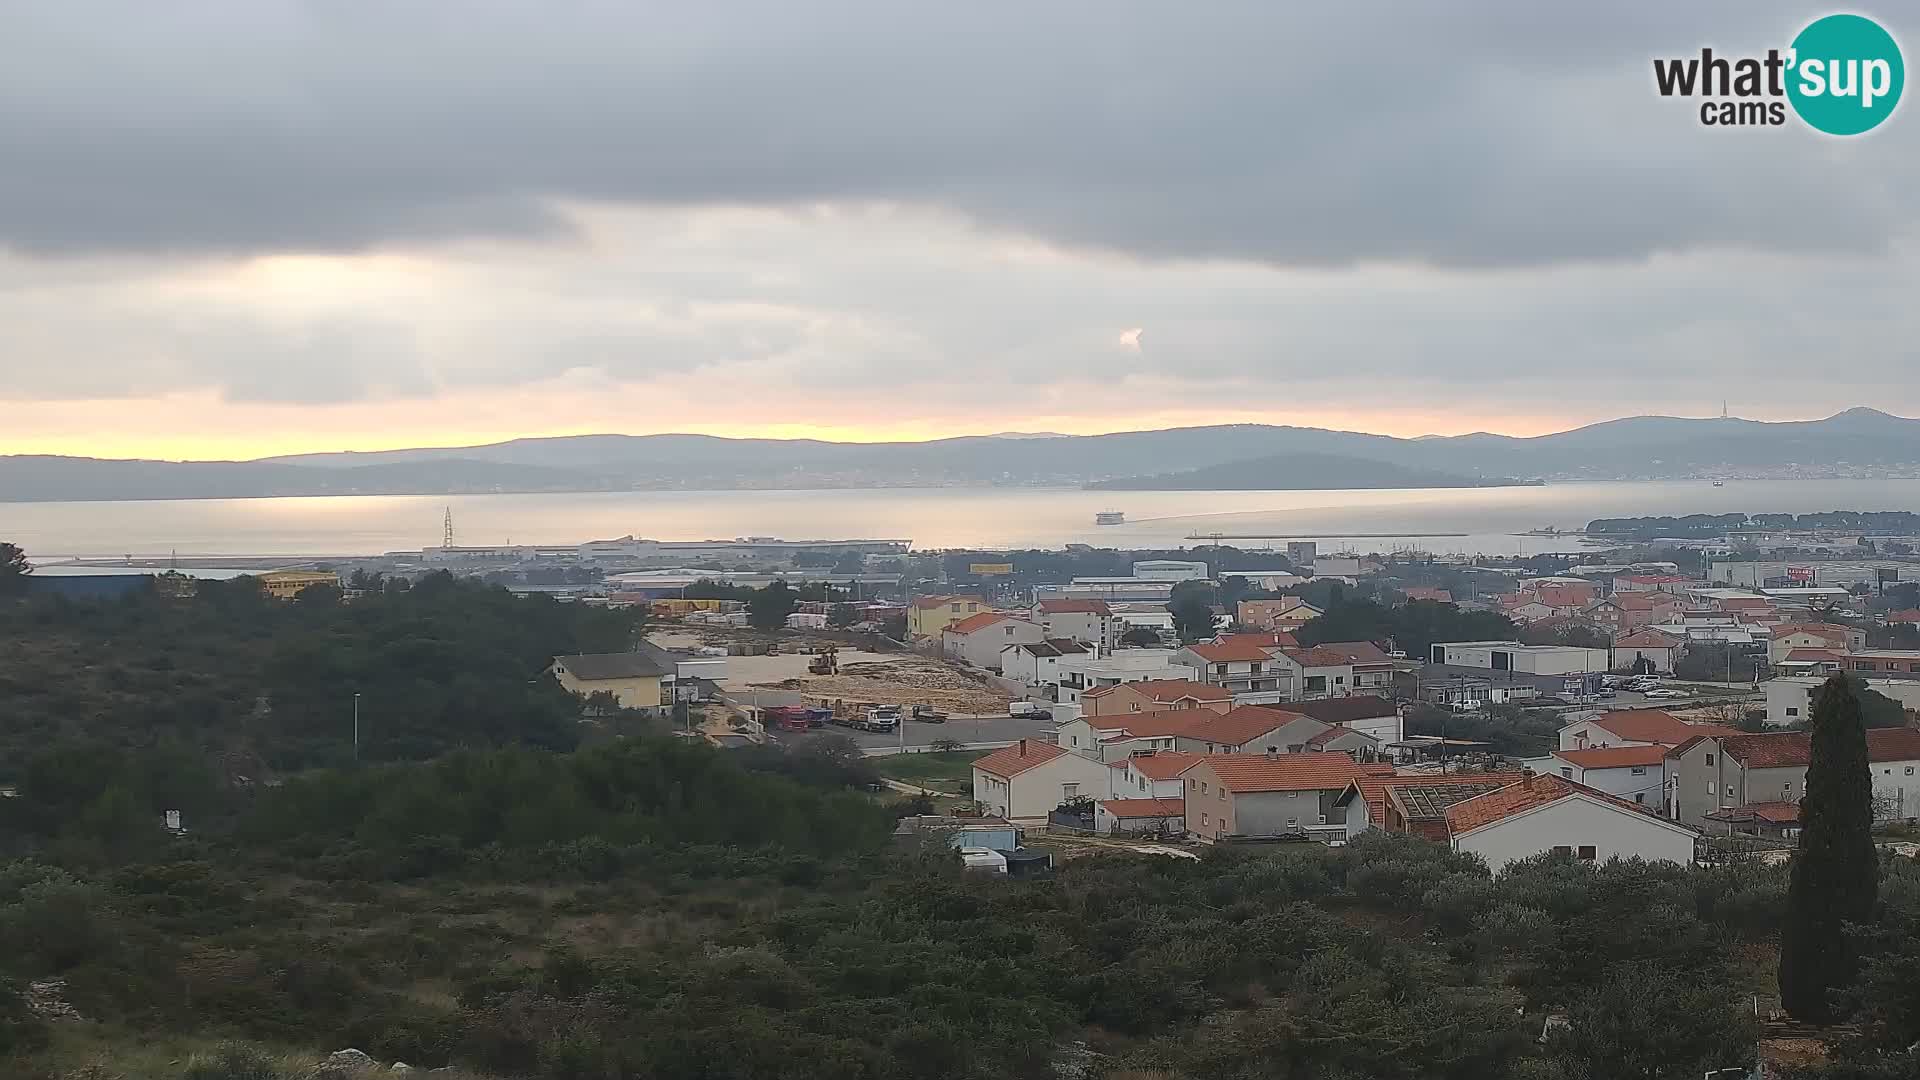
x=826, y=662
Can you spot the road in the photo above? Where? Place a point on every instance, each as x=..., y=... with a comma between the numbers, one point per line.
x=993, y=728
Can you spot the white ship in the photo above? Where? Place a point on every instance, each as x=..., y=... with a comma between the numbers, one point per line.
x=1110, y=517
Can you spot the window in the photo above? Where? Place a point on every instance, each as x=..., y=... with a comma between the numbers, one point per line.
x=1223, y=794
x=1323, y=819
x=1293, y=821
x=1203, y=819
x=1709, y=787
x=1562, y=849
x=1068, y=791
x=1640, y=797
x=1793, y=710
x=1587, y=853
x=1637, y=770
x=1709, y=761
x=1192, y=784
x=1203, y=787
x=1566, y=772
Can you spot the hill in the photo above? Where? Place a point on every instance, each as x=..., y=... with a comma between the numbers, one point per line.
x=1298, y=472
x=1852, y=443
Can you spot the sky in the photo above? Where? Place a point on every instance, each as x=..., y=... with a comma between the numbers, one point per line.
x=247, y=227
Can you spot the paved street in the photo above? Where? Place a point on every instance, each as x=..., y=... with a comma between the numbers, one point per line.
x=987, y=729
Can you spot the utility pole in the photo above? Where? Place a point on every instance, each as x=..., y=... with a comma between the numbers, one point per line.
x=356, y=727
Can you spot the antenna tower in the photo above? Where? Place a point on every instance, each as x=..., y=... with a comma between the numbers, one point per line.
x=446, y=536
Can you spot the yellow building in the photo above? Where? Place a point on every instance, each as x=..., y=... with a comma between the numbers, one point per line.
x=286, y=584
x=927, y=616
x=633, y=678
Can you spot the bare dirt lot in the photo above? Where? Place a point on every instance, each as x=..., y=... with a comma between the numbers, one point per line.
x=894, y=678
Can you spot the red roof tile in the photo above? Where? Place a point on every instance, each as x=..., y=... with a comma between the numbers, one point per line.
x=1356, y=652
x=925, y=602
x=1145, y=808
x=1793, y=749
x=1236, y=727
x=975, y=622
x=1318, y=656
x=1614, y=757
x=1904, y=615
x=1232, y=650
x=1774, y=813
x=1166, y=690
x=1374, y=787
x=1830, y=631
x=1011, y=761
x=1483, y=810
x=1245, y=773
x=1655, y=726
x=1148, y=725
x=1065, y=607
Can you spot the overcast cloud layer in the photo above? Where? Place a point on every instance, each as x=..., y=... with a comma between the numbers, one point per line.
x=304, y=226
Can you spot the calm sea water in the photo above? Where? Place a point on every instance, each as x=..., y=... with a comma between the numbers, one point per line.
x=930, y=517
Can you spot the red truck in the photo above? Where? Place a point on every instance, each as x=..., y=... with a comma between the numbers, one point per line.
x=786, y=718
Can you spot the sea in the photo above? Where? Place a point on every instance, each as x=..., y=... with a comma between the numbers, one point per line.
x=1486, y=521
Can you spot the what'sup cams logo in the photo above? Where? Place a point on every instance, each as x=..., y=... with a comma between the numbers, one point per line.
x=1842, y=75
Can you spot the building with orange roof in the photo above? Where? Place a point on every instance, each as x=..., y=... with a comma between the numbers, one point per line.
x=928, y=615
x=1242, y=665
x=1247, y=729
x=1651, y=646
x=1286, y=613
x=1253, y=796
x=1714, y=773
x=1551, y=814
x=979, y=639
x=1634, y=727
x=1026, y=780
x=1154, y=695
x=1090, y=622
x=1151, y=774
x=1831, y=637
x=1413, y=803
x=1636, y=773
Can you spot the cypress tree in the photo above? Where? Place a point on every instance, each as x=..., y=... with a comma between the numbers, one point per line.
x=1836, y=872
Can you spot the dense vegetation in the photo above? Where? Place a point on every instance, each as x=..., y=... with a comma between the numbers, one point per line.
x=269, y=685
x=1890, y=522
x=1411, y=627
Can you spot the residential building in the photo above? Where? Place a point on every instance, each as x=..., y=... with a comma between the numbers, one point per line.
x=1318, y=672
x=1826, y=636
x=1092, y=671
x=1885, y=663
x=1037, y=663
x=1714, y=773
x=1111, y=589
x=1151, y=774
x=1248, y=729
x=1028, y=779
x=1652, y=583
x=1651, y=646
x=1175, y=570
x=1772, y=820
x=1288, y=613
x=1115, y=816
x=1114, y=738
x=1790, y=697
x=1371, y=668
x=1529, y=659
x=1548, y=813
x=1903, y=617
x=978, y=639
x=1256, y=795
x=1089, y=622
x=1634, y=773
x=927, y=616
x=1243, y=667
x=1373, y=716
x=1623, y=613
x=1154, y=695
x=1634, y=727
x=1413, y=803
x=633, y=678
x=286, y=584
x=1341, y=566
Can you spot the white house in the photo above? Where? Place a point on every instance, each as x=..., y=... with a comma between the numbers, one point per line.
x=1089, y=622
x=1087, y=671
x=1513, y=656
x=1319, y=672
x=1028, y=779
x=1368, y=714
x=1150, y=775
x=1547, y=813
x=1790, y=698
x=1633, y=727
x=1634, y=773
x=1037, y=663
x=1140, y=815
x=1243, y=667
x=978, y=639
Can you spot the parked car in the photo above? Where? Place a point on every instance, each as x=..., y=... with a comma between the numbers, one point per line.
x=1030, y=710
x=1665, y=692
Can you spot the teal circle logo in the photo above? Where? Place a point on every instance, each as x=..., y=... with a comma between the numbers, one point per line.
x=1846, y=74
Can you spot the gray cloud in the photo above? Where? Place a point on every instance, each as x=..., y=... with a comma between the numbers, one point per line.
x=1515, y=134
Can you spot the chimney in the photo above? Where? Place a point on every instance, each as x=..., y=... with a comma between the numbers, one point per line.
x=1023, y=748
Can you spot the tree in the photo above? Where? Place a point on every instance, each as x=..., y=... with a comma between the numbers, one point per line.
x=14, y=569
x=769, y=607
x=1192, y=608
x=841, y=616
x=1836, y=870
x=1140, y=637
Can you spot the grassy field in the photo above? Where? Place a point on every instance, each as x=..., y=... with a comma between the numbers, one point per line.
x=931, y=770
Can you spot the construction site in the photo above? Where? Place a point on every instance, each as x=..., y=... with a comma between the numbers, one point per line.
x=826, y=671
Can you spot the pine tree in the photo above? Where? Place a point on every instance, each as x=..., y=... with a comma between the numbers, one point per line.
x=1836, y=872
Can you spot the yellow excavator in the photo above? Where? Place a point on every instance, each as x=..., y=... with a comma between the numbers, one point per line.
x=826, y=662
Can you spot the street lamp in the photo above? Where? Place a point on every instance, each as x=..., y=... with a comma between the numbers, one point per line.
x=356, y=726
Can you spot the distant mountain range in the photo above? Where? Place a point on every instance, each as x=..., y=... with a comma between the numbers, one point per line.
x=1299, y=472
x=1858, y=442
